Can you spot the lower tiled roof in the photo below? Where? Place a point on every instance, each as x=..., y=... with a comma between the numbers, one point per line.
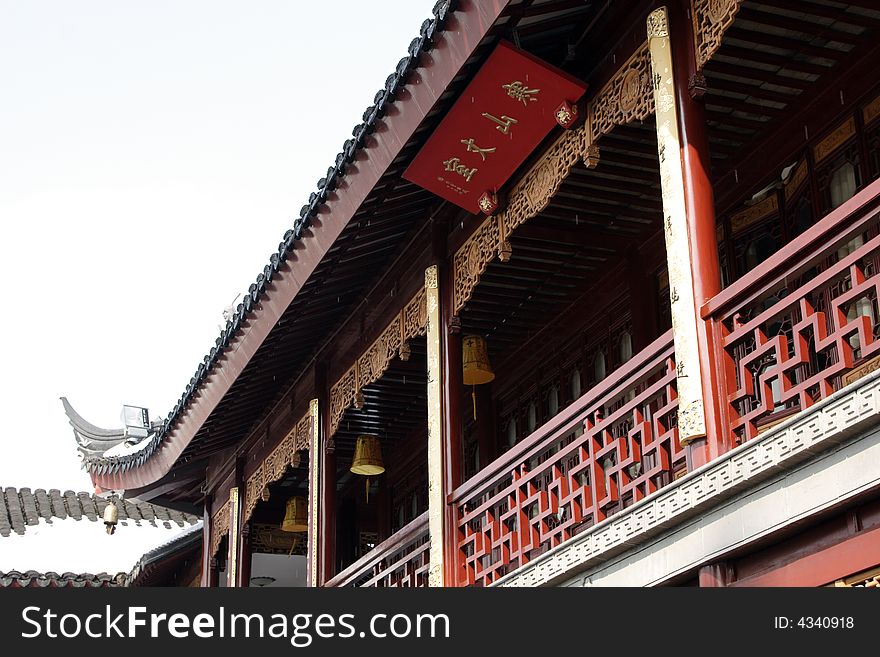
x=22, y=507
x=34, y=580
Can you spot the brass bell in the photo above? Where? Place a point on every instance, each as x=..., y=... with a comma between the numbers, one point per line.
x=296, y=515
x=476, y=369
x=111, y=517
x=475, y=357
x=367, y=457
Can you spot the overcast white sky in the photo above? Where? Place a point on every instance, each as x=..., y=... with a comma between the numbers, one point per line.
x=152, y=154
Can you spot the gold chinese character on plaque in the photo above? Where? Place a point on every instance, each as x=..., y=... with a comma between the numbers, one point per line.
x=520, y=92
x=504, y=122
x=454, y=165
x=473, y=148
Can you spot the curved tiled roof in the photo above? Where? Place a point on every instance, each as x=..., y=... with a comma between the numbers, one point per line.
x=22, y=507
x=143, y=569
x=95, y=461
x=34, y=580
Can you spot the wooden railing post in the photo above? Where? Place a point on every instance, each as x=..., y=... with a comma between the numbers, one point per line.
x=689, y=227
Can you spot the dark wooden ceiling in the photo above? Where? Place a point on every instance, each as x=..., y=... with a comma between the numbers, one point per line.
x=777, y=58
x=391, y=217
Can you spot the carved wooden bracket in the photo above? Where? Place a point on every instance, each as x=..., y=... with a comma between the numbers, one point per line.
x=409, y=323
x=626, y=97
x=219, y=527
x=712, y=18
x=285, y=455
x=529, y=197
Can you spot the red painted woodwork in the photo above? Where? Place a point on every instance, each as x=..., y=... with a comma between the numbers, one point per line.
x=467, y=26
x=327, y=481
x=400, y=561
x=243, y=574
x=205, y=580
x=858, y=553
x=612, y=447
x=499, y=119
x=700, y=208
x=792, y=327
x=451, y=370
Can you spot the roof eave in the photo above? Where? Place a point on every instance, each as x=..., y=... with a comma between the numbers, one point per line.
x=412, y=104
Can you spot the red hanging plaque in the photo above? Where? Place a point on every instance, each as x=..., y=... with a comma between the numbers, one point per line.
x=499, y=119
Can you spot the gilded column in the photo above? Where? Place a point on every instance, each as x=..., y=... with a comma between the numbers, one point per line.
x=689, y=206
x=436, y=502
x=314, y=494
x=691, y=409
x=234, y=537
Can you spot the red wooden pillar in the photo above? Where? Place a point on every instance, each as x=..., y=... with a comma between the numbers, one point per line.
x=207, y=558
x=700, y=206
x=244, y=556
x=451, y=367
x=327, y=481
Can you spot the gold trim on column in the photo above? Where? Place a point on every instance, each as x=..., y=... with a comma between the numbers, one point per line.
x=691, y=411
x=234, y=532
x=314, y=493
x=711, y=20
x=436, y=503
x=409, y=323
x=219, y=527
x=276, y=463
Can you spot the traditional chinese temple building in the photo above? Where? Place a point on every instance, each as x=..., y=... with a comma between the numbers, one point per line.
x=590, y=297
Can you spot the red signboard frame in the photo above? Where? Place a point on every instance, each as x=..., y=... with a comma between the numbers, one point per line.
x=496, y=123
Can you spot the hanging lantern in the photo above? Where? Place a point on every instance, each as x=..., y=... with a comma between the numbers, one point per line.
x=476, y=369
x=367, y=457
x=296, y=515
x=111, y=517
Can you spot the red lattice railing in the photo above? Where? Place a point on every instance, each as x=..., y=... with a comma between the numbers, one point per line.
x=402, y=560
x=804, y=323
x=607, y=450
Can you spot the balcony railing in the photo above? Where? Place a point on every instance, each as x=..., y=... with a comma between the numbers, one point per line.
x=804, y=323
x=607, y=450
x=401, y=560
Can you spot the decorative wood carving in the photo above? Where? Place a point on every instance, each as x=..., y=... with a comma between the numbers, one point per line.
x=793, y=184
x=219, y=527
x=472, y=259
x=285, y=455
x=411, y=322
x=532, y=194
x=711, y=20
x=834, y=140
x=529, y=197
x=626, y=97
x=871, y=111
x=269, y=539
x=745, y=218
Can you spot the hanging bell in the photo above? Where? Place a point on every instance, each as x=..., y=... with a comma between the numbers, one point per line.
x=296, y=515
x=476, y=369
x=475, y=357
x=111, y=517
x=367, y=457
